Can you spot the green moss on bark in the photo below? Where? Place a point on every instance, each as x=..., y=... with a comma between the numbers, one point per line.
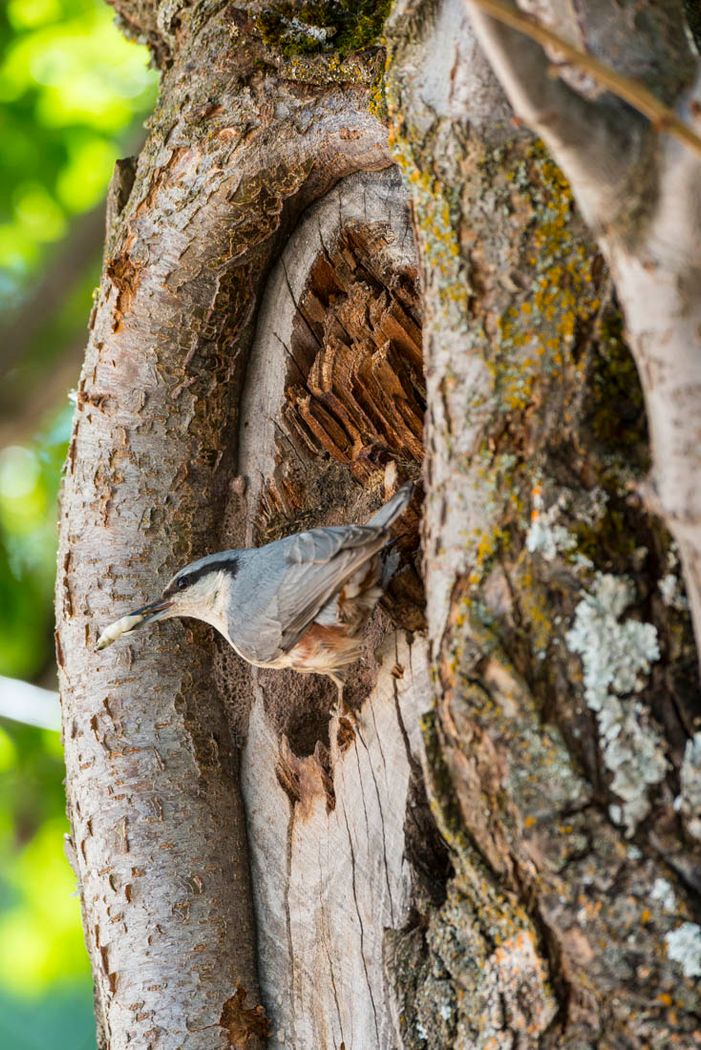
x=313, y=26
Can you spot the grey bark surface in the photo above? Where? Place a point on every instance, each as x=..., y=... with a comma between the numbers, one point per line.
x=639, y=190
x=503, y=849
x=552, y=773
x=153, y=788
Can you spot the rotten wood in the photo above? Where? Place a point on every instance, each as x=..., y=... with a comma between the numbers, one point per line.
x=331, y=409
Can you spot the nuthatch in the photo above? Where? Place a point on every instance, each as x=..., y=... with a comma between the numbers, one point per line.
x=299, y=602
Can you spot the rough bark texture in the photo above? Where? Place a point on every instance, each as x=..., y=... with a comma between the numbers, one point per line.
x=153, y=785
x=541, y=569
x=255, y=366
x=639, y=190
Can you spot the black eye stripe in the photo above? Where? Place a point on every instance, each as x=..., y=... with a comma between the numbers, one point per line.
x=226, y=561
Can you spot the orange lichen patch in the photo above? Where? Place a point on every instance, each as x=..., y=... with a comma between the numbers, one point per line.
x=241, y=1023
x=536, y=502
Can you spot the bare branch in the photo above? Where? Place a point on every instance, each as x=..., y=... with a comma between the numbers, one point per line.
x=597, y=143
x=23, y=702
x=631, y=91
x=648, y=223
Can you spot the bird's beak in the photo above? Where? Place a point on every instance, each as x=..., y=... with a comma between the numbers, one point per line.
x=146, y=614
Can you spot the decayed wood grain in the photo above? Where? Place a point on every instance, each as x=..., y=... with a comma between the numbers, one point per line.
x=332, y=403
x=337, y=358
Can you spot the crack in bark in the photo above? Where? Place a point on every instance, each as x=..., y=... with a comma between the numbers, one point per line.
x=413, y=763
x=327, y=952
x=288, y=916
x=382, y=817
x=360, y=924
x=299, y=311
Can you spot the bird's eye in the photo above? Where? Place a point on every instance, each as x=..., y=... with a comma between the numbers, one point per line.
x=182, y=582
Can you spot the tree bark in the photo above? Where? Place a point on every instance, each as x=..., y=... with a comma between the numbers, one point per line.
x=153, y=788
x=541, y=569
x=651, y=238
x=503, y=849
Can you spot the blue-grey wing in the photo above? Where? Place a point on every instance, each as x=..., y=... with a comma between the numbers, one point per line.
x=299, y=576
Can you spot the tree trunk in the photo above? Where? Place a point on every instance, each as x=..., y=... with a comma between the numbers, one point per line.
x=503, y=849
x=639, y=190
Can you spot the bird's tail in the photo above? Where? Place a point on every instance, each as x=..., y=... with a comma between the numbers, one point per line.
x=384, y=517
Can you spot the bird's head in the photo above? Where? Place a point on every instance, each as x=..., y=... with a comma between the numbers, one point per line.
x=196, y=591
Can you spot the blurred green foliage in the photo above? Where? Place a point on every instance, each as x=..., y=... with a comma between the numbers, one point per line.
x=70, y=85
x=29, y=478
x=72, y=93
x=42, y=943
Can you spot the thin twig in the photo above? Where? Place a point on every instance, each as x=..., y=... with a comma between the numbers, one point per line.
x=631, y=91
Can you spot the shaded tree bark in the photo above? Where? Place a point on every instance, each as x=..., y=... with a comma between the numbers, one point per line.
x=640, y=192
x=503, y=850
x=540, y=565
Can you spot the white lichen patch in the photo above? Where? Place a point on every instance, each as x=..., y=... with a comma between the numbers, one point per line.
x=301, y=31
x=616, y=654
x=672, y=592
x=689, y=800
x=616, y=657
x=684, y=947
x=544, y=536
x=671, y=586
x=548, y=538
x=663, y=893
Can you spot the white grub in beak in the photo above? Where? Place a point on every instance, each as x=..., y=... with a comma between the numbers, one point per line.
x=148, y=614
